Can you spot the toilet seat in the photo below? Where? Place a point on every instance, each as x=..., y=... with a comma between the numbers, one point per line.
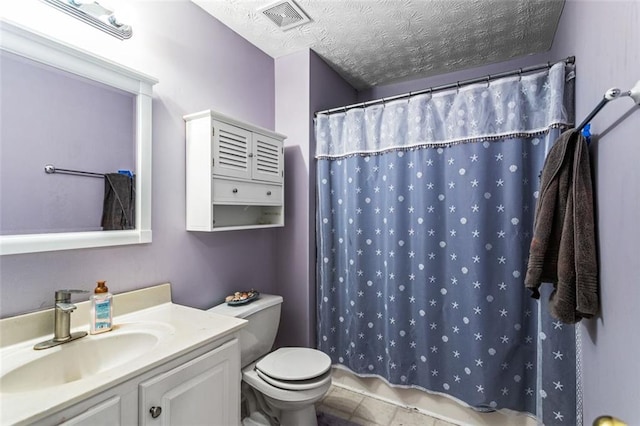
x=294, y=364
x=250, y=376
x=296, y=385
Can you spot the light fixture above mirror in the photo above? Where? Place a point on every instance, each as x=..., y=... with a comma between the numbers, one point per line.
x=93, y=13
x=26, y=43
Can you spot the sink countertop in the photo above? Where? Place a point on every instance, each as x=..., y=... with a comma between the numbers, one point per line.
x=189, y=329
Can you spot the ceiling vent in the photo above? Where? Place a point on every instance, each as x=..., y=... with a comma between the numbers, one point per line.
x=285, y=14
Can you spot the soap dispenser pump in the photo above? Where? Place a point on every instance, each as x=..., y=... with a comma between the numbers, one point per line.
x=101, y=309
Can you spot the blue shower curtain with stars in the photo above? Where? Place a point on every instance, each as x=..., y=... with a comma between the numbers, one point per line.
x=424, y=219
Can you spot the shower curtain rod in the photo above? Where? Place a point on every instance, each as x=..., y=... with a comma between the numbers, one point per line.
x=458, y=84
x=50, y=169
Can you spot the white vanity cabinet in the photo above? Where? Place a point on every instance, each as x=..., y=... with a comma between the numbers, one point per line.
x=106, y=413
x=200, y=388
x=203, y=391
x=234, y=174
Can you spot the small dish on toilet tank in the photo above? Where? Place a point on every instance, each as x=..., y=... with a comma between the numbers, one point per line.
x=242, y=297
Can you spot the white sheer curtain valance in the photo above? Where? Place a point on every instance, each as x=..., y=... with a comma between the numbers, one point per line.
x=519, y=106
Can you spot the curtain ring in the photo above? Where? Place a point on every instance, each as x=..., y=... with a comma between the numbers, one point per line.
x=520, y=75
x=457, y=87
x=548, y=65
x=384, y=103
x=488, y=80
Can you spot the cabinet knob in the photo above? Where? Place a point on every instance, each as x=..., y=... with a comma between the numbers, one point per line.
x=268, y=192
x=155, y=411
x=234, y=190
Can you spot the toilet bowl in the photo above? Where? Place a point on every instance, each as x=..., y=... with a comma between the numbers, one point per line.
x=283, y=385
x=292, y=407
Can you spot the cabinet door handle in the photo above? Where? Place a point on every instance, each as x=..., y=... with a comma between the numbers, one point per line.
x=155, y=411
x=268, y=192
x=234, y=190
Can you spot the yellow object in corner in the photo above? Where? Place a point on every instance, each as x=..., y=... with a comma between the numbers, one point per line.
x=608, y=421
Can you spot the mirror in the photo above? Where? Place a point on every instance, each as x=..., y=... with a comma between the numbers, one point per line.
x=124, y=95
x=56, y=118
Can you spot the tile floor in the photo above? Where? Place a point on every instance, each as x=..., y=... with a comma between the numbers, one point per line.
x=368, y=411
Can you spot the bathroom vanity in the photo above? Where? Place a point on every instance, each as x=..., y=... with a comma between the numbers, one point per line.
x=163, y=363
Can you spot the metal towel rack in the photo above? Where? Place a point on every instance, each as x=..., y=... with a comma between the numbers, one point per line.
x=610, y=95
x=50, y=169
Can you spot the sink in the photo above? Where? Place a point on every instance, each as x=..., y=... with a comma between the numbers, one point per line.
x=150, y=335
x=25, y=369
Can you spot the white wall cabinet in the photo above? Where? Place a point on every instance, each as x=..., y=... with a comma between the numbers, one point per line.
x=200, y=388
x=234, y=174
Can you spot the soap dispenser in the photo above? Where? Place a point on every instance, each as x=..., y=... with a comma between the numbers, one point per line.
x=101, y=309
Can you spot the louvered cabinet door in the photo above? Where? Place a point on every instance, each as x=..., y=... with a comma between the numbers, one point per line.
x=231, y=151
x=267, y=159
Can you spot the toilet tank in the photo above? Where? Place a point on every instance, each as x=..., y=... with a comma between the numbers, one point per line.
x=258, y=336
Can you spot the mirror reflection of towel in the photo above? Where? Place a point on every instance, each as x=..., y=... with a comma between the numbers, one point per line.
x=119, y=208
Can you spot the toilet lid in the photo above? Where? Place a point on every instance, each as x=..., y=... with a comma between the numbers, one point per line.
x=294, y=364
x=296, y=385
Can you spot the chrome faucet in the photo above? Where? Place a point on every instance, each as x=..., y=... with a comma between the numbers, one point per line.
x=62, y=321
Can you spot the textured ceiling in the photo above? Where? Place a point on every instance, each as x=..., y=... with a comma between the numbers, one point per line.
x=376, y=42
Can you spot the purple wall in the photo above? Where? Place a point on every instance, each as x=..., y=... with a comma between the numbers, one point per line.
x=304, y=84
x=200, y=64
x=292, y=100
x=54, y=117
x=605, y=38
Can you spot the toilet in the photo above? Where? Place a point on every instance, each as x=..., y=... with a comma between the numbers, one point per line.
x=280, y=386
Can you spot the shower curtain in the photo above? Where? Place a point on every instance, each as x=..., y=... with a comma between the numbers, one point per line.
x=424, y=219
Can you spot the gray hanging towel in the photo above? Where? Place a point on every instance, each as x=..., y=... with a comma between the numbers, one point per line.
x=563, y=248
x=119, y=208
